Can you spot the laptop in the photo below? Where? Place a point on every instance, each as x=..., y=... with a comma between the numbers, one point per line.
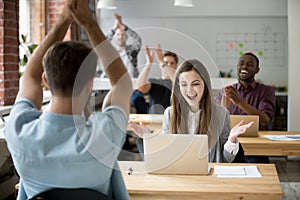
x=176, y=154
x=253, y=130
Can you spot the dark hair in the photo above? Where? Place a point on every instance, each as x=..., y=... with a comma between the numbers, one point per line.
x=67, y=63
x=174, y=55
x=254, y=56
x=180, y=109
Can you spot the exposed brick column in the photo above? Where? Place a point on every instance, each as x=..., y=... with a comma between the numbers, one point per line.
x=54, y=8
x=9, y=51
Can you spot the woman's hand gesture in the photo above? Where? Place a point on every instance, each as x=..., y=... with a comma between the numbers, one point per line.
x=238, y=129
x=138, y=129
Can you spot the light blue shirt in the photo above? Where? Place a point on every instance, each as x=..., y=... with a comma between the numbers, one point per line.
x=53, y=150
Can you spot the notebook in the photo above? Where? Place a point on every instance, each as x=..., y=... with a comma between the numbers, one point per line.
x=176, y=154
x=253, y=130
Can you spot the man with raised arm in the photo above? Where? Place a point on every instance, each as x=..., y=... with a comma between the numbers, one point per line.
x=128, y=51
x=59, y=148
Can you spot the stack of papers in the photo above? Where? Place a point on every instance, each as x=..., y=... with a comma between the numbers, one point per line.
x=237, y=172
x=283, y=137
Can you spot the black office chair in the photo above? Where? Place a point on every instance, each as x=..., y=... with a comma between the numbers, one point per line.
x=72, y=194
x=117, y=191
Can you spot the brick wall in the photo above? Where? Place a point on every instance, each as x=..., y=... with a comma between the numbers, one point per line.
x=9, y=51
x=54, y=8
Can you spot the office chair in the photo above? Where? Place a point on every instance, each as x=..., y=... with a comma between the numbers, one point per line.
x=117, y=191
x=72, y=194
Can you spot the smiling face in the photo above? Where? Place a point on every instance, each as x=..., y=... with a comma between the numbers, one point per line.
x=247, y=68
x=191, y=87
x=170, y=61
x=120, y=37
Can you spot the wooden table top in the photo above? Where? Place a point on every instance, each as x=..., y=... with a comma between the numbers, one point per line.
x=141, y=185
x=263, y=146
x=147, y=118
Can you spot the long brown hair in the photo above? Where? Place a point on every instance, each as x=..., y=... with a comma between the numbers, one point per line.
x=180, y=108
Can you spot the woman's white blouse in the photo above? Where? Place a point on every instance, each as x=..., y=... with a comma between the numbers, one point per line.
x=193, y=121
x=193, y=125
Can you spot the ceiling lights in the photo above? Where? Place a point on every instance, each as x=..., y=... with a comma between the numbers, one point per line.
x=106, y=4
x=110, y=4
x=183, y=3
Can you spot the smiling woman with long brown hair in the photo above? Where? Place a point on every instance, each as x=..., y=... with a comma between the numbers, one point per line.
x=194, y=112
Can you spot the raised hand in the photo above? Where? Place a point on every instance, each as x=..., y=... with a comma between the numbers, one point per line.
x=231, y=93
x=138, y=129
x=225, y=101
x=66, y=13
x=118, y=22
x=159, y=54
x=80, y=11
x=239, y=129
x=118, y=18
x=149, y=55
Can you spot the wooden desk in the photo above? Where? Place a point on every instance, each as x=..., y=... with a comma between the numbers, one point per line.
x=141, y=185
x=153, y=121
x=263, y=146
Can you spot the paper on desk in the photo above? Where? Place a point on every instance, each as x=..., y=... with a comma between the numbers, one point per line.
x=283, y=137
x=237, y=172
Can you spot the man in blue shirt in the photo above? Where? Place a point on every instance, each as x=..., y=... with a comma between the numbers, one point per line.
x=62, y=148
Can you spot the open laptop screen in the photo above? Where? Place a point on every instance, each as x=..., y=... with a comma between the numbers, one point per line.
x=176, y=153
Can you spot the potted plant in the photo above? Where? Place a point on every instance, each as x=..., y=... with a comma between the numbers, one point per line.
x=26, y=51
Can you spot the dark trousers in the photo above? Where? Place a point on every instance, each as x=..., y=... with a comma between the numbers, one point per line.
x=241, y=158
x=139, y=103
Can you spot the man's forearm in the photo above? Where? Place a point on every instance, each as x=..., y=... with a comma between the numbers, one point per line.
x=250, y=110
x=143, y=77
x=57, y=33
x=31, y=86
x=113, y=65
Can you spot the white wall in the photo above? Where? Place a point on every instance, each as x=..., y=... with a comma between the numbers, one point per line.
x=193, y=32
x=294, y=65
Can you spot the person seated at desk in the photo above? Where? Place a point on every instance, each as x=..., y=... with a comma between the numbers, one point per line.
x=193, y=111
x=249, y=97
x=59, y=148
x=158, y=89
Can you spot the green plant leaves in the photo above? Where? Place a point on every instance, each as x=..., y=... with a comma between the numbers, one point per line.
x=24, y=60
x=28, y=50
x=32, y=47
x=24, y=38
